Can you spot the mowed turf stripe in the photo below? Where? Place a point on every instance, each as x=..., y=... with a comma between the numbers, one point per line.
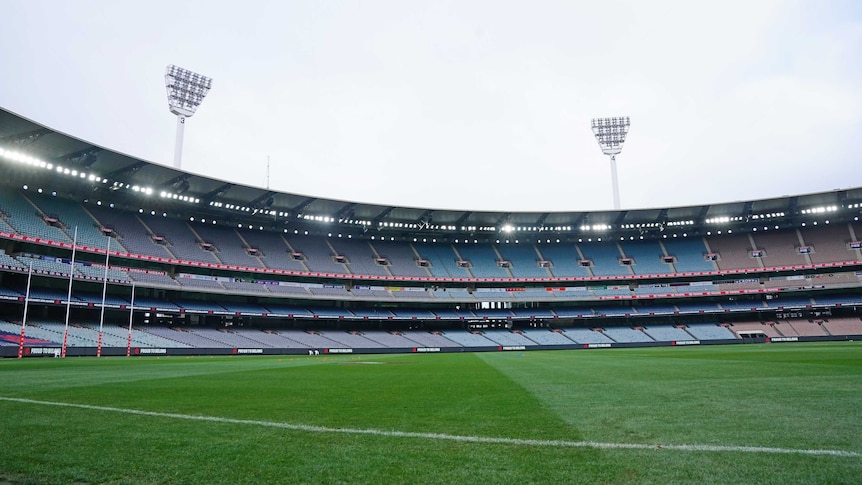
x=443, y=437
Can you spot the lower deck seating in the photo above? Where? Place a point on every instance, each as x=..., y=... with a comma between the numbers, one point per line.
x=709, y=331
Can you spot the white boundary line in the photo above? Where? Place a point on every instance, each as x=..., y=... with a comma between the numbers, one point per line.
x=445, y=437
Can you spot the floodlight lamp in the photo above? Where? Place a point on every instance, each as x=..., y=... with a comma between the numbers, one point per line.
x=611, y=133
x=186, y=90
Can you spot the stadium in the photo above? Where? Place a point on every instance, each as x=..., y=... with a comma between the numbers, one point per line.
x=171, y=263
x=111, y=256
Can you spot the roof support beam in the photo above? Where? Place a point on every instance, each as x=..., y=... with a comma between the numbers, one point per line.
x=346, y=211
x=504, y=219
x=382, y=215
x=25, y=138
x=302, y=205
x=128, y=169
x=83, y=158
x=620, y=218
x=218, y=192
x=264, y=201
x=541, y=220
x=461, y=220
x=425, y=219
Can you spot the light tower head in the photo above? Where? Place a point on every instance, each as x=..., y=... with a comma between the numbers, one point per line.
x=186, y=90
x=611, y=133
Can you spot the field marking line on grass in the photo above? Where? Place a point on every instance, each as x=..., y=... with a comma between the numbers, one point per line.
x=442, y=436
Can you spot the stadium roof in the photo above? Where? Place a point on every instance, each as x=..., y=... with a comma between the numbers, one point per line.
x=45, y=154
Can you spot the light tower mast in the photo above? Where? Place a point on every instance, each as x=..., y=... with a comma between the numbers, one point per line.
x=186, y=91
x=611, y=134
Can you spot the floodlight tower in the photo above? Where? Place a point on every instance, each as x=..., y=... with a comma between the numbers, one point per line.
x=611, y=134
x=186, y=91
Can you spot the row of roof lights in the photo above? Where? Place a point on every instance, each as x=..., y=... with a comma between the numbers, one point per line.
x=509, y=228
x=183, y=198
x=821, y=210
x=356, y=222
x=680, y=223
x=22, y=158
x=143, y=190
x=724, y=219
x=596, y=227
x=644, y=225
x=309, y=217
x=767, y=216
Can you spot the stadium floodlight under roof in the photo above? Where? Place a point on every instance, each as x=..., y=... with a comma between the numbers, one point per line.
x=186, y=91
x=611, y=134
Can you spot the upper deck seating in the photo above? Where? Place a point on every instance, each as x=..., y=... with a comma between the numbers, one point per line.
x=647, y=257
x=401, y=258
x=130, y=232
x=273, y=250
x=483, y=259
x=229, y=245
x=781, y=248
x=443, y=260
x=605, y=258
x=26, y=219
x=829, y=244
x=183, y=243
x=361, y=259
x=73, y=216
x=689, y=255
x=735, y=252
x=523, y=259
x=318, y=255
x=564, y=259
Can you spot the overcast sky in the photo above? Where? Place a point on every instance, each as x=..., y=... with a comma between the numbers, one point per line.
x=481, y=105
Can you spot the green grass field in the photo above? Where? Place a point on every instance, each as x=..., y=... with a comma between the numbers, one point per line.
x=772, y=413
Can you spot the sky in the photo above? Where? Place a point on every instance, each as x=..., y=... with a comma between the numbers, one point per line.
x=475, y=105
